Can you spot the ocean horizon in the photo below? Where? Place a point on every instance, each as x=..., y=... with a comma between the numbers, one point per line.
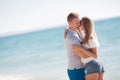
x=41, y=54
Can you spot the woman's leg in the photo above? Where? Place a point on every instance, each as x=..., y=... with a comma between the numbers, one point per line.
x=101, y=76
x=93, y=69
x=92, y=76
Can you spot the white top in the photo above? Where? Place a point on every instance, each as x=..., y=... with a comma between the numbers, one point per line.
x=92, y=43
x=74, y=61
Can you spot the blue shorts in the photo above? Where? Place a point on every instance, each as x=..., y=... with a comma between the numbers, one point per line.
x=76, y=74
x=94, y=66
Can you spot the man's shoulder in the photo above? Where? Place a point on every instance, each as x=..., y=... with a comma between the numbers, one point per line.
x=72, y=37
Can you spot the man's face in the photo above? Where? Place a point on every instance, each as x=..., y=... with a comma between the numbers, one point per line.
x=75, y=23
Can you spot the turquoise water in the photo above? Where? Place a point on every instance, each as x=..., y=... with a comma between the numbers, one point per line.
x=41, y=55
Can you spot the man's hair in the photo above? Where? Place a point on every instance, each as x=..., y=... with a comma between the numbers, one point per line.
x=71, y=16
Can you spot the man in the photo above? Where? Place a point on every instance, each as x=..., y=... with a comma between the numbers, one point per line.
x=76, y=69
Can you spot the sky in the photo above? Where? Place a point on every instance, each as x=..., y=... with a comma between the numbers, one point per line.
x=27, y=15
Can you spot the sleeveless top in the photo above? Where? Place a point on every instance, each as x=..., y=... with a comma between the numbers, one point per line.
x=92, y=43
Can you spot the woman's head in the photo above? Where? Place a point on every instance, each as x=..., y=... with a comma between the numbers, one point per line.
x=86, y=25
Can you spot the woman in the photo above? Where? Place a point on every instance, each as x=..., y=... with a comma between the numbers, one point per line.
x=94, y=68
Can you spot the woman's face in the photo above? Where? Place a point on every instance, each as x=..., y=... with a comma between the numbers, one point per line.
x=81, y=26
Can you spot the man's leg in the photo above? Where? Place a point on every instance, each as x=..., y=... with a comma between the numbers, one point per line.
x=77, y=74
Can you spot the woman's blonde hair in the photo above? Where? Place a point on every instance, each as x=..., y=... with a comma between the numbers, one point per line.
x=88, y=28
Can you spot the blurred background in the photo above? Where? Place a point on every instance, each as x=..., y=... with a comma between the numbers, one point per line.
x=31, y=37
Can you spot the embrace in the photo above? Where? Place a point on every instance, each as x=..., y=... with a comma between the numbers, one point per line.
x=81, y=44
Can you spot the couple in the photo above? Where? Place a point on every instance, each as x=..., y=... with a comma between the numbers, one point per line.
x=81, y=44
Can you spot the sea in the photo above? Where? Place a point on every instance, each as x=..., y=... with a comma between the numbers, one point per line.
x=41, y=54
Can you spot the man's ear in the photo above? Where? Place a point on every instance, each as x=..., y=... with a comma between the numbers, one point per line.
x=65, y=33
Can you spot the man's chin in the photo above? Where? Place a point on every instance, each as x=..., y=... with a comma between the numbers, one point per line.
x=76, y=28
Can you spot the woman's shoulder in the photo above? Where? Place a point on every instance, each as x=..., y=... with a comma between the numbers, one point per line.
x=92, y=36
x=93, y=42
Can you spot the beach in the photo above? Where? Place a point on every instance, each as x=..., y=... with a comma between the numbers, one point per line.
x=41, y=54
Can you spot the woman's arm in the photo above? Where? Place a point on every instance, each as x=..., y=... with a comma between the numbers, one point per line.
x=65, y=33
x=79, y=50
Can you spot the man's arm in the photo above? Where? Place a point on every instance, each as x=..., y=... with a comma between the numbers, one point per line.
x=91, y=53
x=80, y=53
x=78, y=50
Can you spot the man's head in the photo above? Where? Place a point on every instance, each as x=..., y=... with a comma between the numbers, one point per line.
x=73, y=21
